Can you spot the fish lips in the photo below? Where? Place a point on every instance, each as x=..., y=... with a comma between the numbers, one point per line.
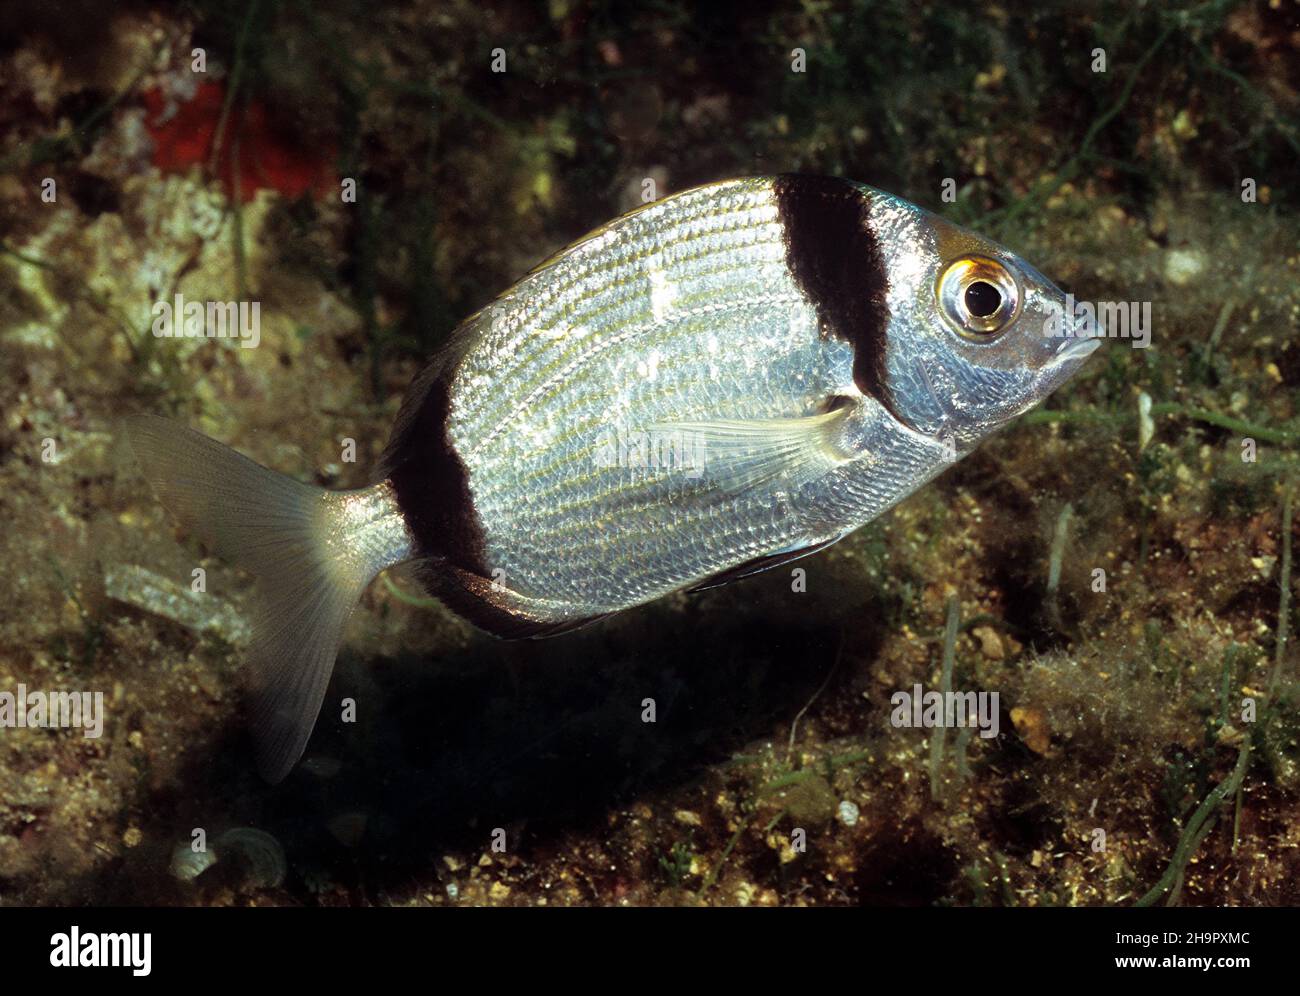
x=1069, y=357
x=1073, y=347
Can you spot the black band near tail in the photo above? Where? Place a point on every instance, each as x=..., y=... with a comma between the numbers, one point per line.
x=430, y=480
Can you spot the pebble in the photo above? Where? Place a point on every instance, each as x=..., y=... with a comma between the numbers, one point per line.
x=1182, y=266
x=848, y=813
x=990, y=642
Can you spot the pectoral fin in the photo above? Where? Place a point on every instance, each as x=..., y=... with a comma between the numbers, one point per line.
x=736, y=455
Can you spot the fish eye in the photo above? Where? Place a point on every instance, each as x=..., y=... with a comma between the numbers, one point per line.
x=982, y=299
x=978, y=296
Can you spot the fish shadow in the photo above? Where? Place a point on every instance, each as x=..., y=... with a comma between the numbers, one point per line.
x=538, y=739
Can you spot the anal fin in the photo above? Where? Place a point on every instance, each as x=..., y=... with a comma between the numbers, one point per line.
x=475, y=599
x=760, y=564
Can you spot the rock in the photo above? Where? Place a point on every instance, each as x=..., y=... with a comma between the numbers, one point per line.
x=1031, y=723
x=811, y=802
x=990, y=642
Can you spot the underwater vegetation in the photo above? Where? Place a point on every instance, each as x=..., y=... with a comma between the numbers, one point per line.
x=1118, y=566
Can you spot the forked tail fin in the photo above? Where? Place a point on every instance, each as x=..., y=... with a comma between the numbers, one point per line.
x=312, y=551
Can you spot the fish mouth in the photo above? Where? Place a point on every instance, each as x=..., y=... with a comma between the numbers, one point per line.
x=1081, y=340
x=1065, y=362
x=1076, y=350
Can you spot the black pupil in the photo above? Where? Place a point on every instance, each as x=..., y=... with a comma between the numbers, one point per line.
x=982, y=298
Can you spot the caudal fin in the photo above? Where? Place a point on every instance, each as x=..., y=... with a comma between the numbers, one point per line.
x=312, y=552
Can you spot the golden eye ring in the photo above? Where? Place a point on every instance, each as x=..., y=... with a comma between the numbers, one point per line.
x=978, y=296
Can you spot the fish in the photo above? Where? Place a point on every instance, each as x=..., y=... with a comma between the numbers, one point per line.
x=710, y=386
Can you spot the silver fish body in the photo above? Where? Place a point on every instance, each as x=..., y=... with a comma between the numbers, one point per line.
x=712, y=385
x=666, y=403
